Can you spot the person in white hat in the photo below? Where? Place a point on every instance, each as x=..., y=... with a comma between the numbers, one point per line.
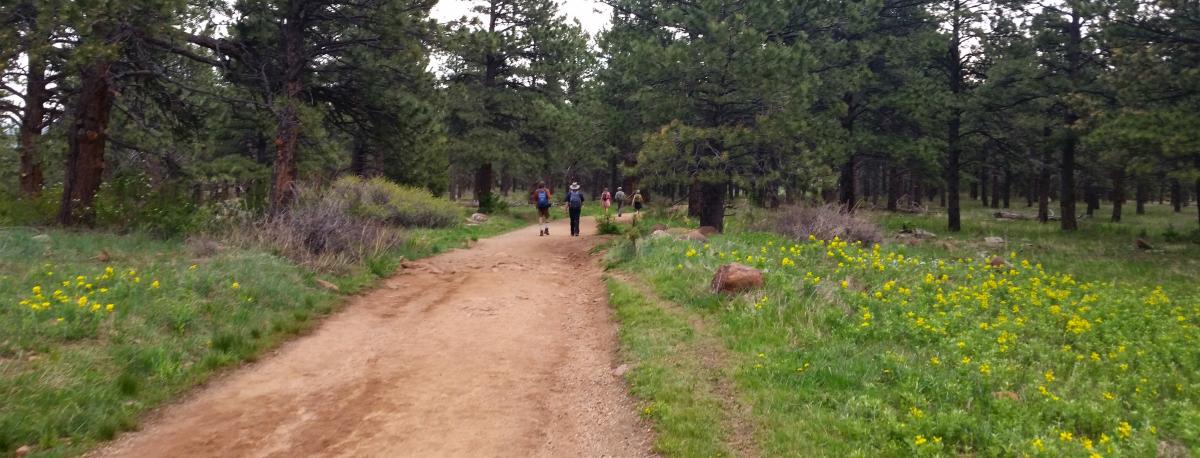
x=574, y=207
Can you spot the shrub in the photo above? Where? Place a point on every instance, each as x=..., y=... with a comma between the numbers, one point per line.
x=825, y=223
x=606, y=225
x=37, y=211
x=382, y=201
x=320, y=232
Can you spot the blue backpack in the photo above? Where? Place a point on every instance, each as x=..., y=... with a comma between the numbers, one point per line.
x=543, y=198
x=575, y=199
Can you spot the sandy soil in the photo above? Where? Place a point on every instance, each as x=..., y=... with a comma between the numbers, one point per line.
x=503, y=349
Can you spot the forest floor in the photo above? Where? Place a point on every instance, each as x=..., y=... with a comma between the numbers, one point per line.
x=504, y=349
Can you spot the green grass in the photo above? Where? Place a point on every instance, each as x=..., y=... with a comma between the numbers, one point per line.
x=876, y=367
x=667, y=376
x=71, y=376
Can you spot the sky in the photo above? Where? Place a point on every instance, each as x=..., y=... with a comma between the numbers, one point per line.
x=591, y=14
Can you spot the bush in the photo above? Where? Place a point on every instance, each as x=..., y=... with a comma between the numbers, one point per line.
x=606, y=225
x=321, y=232
x=37, y=211
x=825, y=223
x=382, y=201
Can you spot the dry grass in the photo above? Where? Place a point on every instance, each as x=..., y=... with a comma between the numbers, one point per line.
x=825, y=223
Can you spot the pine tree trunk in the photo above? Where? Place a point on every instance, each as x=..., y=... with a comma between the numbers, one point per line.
x=1118, y=194
x=484, y=177
x=846, y=184
x=32, y=119
x=1043, y=183
x=893, y=188
x=712, y=198
x=1007, y=195
x=86, y=141
x=954, y=223
x=1176, y=196
x=1067, y=172
x=1140, y=195
x=283, y=179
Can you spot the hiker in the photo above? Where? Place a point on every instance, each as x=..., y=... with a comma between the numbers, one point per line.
x=637, y=202
x=541, y=198
x=620, y=196
x=605, y=201
x=574, y=202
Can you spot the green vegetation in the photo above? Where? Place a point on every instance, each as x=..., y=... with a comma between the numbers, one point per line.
x=1048, y=345
x=97, y=328
x=668, y=374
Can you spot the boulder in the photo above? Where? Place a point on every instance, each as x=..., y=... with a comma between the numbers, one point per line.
x=694, y=236
x=44, y=238
x=734, y=277
x=994, y=241
x=478, y=217
x=659, y=227
x=659, y=233
x=1142, y=244
x=23, y=450
x=996, y=261
x=708, y=231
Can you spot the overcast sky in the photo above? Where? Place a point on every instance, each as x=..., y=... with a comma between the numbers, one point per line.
x=583, y=10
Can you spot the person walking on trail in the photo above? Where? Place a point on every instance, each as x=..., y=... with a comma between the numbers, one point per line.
x=574, y=207
x=637, y=202
x=620, y=197
x=606, y=200
x=541, y=198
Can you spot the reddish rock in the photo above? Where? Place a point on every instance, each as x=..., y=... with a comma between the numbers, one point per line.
x=997, y=261
x=1142, y=244
x=732, y=278
x=24, y=450
x=708, y=231
x=694, y=236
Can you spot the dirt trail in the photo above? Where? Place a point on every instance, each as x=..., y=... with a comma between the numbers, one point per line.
x=503, y=349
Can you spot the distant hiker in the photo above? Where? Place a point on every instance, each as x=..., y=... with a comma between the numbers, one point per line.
x=637, y=202
x=620, y=196
x=605, y=200
x=574, y=207
x=541, y=198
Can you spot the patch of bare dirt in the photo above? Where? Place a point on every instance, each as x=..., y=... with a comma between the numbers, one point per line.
x=505, y=349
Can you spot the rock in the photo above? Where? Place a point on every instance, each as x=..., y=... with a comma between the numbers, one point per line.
x=1142, y=244
x=24, y=450
x=997, y=261
x=694, y=236
x=994, y=241
x=659, y=233
x=659, y=227
x=44, y=238
x=478, y=217
x=621, y=370
x=708, y=231
x=327, y=285
x=736, y=277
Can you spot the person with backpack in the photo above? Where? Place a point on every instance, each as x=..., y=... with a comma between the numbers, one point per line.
x=574, y=207
x=541, y=198
x=620, y=196
x=637, y=202
x=606, y=201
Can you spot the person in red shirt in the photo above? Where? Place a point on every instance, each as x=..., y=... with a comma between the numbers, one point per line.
x=606, y=200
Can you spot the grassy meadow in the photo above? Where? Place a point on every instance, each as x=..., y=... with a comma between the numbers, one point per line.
x=1050, y=344
x=98, y=328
